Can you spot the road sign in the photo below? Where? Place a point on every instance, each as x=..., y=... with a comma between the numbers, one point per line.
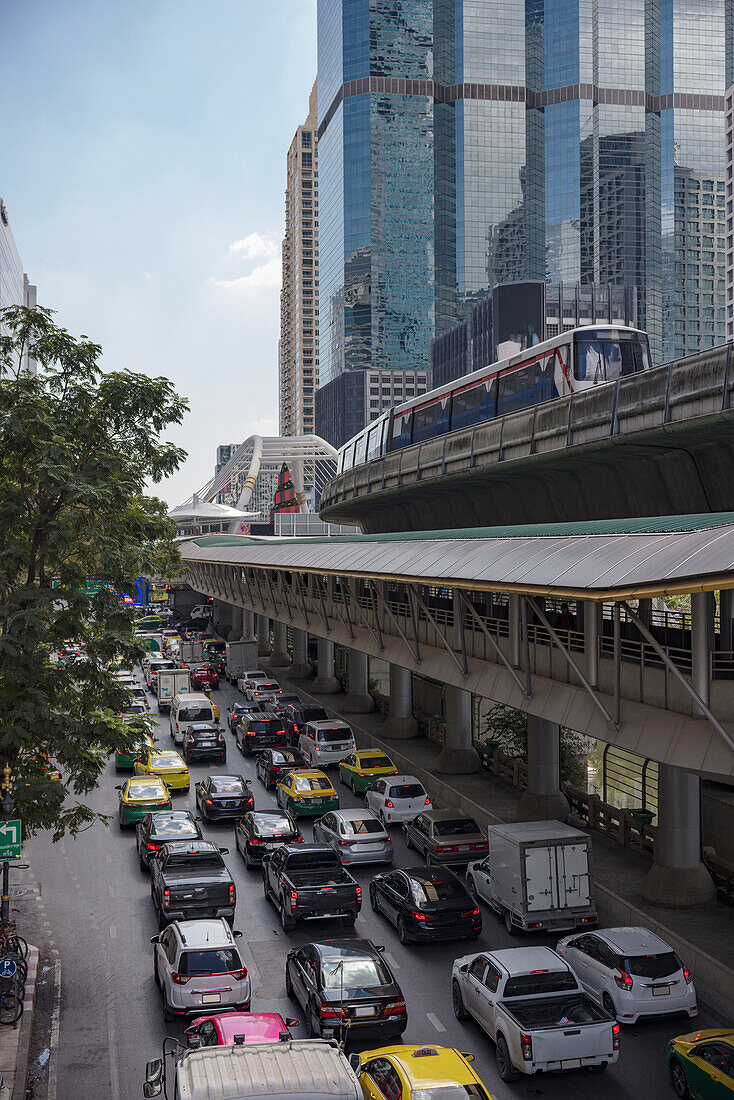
x=7, y=968
x=9, y=840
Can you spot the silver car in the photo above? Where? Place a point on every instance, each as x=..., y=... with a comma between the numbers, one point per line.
x=356, y=835
x=198, y=969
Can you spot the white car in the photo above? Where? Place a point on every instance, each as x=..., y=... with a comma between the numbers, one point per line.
x=198, y=969
x=355, y=835
x=262, y=690
x=249, y=678
x=631, y=972
x=327, y=742
x=397, y=798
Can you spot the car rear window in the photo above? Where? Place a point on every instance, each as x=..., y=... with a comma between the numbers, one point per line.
x=195, y=713
x=553, y=981
x=652, y=966
x=330, y=736
x=441, y=890
x=407, y=790
x=451, y=1092
x=165, y=762
x=313, y=861
x=311, y=783
x=263, y=725
x=140, y=792
x=314, y=714
x=174, y=830
x=361, y=827
x=209, y=962
x=227, y=786
x=341, y=973
x=267, y=825
x=458, y=826
x=284, y=758
x=195, y=859
x=375, y=760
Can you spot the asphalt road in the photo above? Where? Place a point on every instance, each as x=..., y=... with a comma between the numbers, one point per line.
x=98, y=905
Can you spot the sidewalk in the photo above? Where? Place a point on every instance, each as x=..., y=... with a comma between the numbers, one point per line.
x=15, y=1041
x=704, y=938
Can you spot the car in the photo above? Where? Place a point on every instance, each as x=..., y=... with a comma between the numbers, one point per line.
x=360, y=769
x=445, y=836
x=306, y=794
x=357, y=836
x=259, y=832
x=263, y=690
x=204, y=676
x=632, y=972
x=139, y=796
x=125, y=758
x=189, y=879
x=701, y=1064
x=215, y=707
x=136, y=709
x=234, y=1028
x=204, y=741
x=273, y=764
x=426, y=903
x=297, y=714
x=258, y=731
x=277, y=704
x=140, y=696
x=346, y=990
x=325, y=743
x=206, y=951
x=167, y=764
x=223, y=797
x=249, y=678
x=397, y=799
x=237, y=711
x=428, y=1072
x=156, y=829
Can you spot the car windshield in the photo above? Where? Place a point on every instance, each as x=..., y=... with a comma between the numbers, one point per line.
x=312, y=783
x=166, y=762
x=353, y=973
x=652, y=966
x=458, y=826
x=139, y=792
x=427, y=892
x=361, y=826
x=553, y=981
x=195, y=713
x=450, y=1092
x=407, y=790
x=270, y=825
x=227, y=786
x=329, y=736
x=209, y=962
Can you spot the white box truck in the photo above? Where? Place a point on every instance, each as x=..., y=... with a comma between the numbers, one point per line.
x=537, y=876
x=240, y=657
x=172, y=682
x=191, y=653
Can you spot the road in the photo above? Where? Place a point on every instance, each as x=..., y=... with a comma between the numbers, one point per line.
x=98, y=905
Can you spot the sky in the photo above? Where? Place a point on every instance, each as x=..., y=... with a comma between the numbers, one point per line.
x=142, y=164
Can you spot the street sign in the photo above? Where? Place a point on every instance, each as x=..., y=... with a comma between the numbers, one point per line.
x=9, y=840
x=7, y=968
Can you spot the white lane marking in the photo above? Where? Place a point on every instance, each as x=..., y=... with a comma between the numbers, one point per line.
x=113, y=932
x=435, y=1021
x=110, y=891
x=55, y=1028
x=394, y=964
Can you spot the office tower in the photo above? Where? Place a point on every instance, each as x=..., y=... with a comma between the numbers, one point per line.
x=729, y=214
x=15, y=289
x=298, y=351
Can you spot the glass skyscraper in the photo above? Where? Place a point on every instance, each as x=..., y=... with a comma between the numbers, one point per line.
x=465, y=143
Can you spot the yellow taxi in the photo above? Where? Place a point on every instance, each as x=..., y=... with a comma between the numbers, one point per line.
x=167, y=765
x=139, y=796
x=400, y=1072
x=306, y=794
x=215, y=708
x=701, y=1064
x=361, y=769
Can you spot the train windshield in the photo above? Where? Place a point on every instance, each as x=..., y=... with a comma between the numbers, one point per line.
x=605, y=355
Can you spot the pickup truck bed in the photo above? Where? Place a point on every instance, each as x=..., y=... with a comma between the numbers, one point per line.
x=563, y=1011
x=190, y=881
x=309, y=881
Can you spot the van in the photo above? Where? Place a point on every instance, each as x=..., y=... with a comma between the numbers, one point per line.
x=324, y=743
x=186, y=708
x=295, y=1069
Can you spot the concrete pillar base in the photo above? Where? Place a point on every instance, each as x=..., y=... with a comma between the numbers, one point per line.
x=326, y=685
x=399, y=729
x=300, y=672
x=678, y=887
x=452, y=761
x=543, y=807
x=234, y=635
x=357, y=704
x=280, y=660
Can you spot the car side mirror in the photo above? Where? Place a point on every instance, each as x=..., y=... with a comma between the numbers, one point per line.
x=118, y=787
x=379, y=947
x=467, y=1055
x=193, y=1039
x=154, y=1073
x=155, y=939
x=224, y=851
x=356, y=1063
x=266, y=857
x=291, y=1022
x=237, y=933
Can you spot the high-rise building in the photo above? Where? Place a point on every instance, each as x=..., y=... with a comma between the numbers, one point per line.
x=729, y=213
x=15, y=289
x=298, y=351
x=465, y=143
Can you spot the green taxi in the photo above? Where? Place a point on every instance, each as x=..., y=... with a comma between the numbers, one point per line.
x=362, y=768
x=306, y=794
x=125, y=759
x=139, y=796
x=701, y=1065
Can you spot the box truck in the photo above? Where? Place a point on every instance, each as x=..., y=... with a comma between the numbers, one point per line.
x=537, y=876
x=240, y=656
x=172, y=682
x=191, y=653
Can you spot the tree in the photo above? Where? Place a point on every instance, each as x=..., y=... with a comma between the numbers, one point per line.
x=506, y=729
x=76, y=448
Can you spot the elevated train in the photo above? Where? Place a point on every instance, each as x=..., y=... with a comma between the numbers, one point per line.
x=576, y=360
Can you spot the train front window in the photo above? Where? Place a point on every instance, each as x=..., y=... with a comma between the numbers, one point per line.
x=604, y=357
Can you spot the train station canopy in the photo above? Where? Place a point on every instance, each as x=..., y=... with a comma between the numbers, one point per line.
x=600, y=560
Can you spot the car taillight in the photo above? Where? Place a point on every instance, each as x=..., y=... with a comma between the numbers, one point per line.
x=255, y=840
x=294, y=897
x=526, y=1044
x=363, y=775
x=686, y=974
x=208, y=801
x=471, y=913
x=180, y=979
x=344, y=843
x=250, y=733
x=478, y=847
x=359, y=894
x=280, y=731
x=446, y=848
x=152, y=847
x=295, y=728
x=427, y=801
x=615, y=1036
x=231, y=893
x=239, y=975
x=396, y=1008
x=299, y=837
x=166, y=899
x=328, y=1012
x=623, y=980
x=389, y=804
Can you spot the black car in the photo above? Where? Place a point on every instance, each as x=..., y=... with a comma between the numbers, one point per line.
x=258, y=833
x=156, y=829
x=237, y=711
x=277, y=704
x=273, y=764
x=426, y=903
x=295, y=717
x=346, y=990
x=260, y=731
x=203, y=741
x=223, y=797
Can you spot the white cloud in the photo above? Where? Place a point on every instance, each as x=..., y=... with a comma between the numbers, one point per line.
x=265, y=277
x=255, y=247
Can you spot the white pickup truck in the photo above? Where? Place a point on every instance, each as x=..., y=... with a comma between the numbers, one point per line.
x=532, y=1006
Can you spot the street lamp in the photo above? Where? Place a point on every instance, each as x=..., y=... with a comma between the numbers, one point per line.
x=7, y=805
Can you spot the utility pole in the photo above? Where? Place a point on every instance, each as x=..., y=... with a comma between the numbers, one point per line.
x=7, y=805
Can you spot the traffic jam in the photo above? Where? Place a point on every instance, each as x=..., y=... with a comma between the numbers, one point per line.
x=287, y=811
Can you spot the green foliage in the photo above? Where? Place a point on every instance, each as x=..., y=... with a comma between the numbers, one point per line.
x=506, y=729
x=76, y=449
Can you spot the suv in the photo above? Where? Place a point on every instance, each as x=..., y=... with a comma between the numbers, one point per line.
x=324, y=743
x=198, y=968
x=204, y=676
x=256, y=732
x=204, y=741
x=295, y=717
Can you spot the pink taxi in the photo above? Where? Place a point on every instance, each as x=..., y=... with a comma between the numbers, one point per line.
x=234, y=1028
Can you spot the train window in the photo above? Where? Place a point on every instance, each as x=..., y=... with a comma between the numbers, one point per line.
x=373, y=441
x=473, y=405
x=401, y=430
x=431, y=420
x=526, y=386
x=613, y=356
x=360, y=449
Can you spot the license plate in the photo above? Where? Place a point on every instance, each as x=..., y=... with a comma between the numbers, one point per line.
x=571, y=1063
x=210, y=998
x=464, y=848
x=368, y=1011
x=207, y=744
x=661, y=990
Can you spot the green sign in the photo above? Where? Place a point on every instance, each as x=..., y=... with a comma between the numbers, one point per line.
x=9, y=840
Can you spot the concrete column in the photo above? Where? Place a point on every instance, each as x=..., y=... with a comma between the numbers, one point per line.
x=400, y=722
x=678, y=878
x=458, y=756
x=235, y=621
x=221, y=617
x=543, y=800
x=281, y=657
x=515, y=632
x=300, y=668
x=726, y=615
x=702, y=628
x=326, y=682
x=262, y=625
x=592, y=624
x=248, y=625
x=358, y=700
